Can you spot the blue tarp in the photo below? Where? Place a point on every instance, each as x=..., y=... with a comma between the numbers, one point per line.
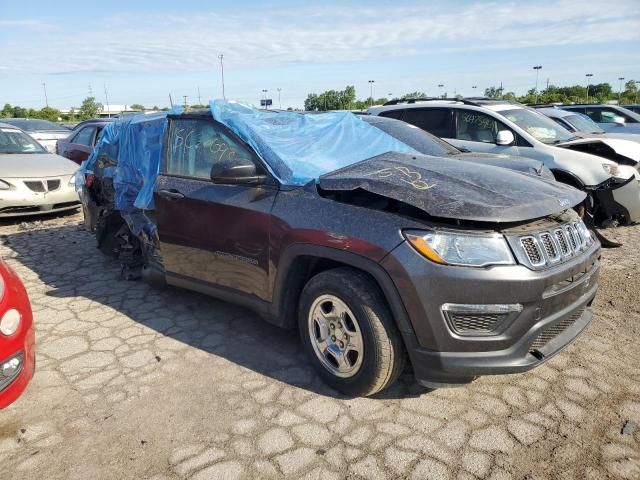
x=301, y=147
x=297, y=147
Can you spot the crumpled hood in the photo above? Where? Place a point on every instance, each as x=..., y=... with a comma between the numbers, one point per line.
x=520, y=164
x=455, y=189
x=626, y=148
x=35, y=165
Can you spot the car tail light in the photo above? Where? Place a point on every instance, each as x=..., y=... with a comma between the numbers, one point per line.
x=90, y=177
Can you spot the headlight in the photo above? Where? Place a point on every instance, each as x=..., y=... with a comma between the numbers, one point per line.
x=4, y=185
x=454, y=248
x=10, y=322
x=611, y=169
x=72, y=180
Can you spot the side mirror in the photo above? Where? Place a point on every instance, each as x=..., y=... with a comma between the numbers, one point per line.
x=619, y=120
x=505, y=137
x=236, y=172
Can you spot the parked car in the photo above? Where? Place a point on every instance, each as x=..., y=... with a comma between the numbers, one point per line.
x=624, y=148
x=612, y=118
x=428, y=144
x=46, y=133
x=17, y=337
x=32, y=180
x=370, y=248
x=503, y=127
x=79, y=144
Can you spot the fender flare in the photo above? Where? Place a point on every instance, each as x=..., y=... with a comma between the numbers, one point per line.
x=375, y=270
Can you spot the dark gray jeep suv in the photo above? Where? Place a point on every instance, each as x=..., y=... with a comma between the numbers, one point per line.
x=461, y=268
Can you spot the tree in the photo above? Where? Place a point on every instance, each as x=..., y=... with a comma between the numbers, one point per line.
x=48, y=113
x=89, y=108
x=331, y=100
x=413, y=95
x=493, y=92
x=137, y=106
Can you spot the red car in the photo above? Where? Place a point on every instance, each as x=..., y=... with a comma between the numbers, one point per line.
x=80, y=142
x=17, y=337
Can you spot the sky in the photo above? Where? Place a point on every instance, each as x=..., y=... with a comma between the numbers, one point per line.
x=143, y=51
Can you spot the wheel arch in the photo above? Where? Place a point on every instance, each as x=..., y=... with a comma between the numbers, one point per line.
x=300, y=262
x=563, y=176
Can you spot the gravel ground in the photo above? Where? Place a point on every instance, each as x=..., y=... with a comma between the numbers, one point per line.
x=136, y=382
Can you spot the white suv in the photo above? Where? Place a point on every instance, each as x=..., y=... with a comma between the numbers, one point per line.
x=503, y=127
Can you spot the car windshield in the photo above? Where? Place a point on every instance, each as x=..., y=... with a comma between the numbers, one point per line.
x=15, y=141
x=583, y=123
x=413, y=136
x=35, y=125
x=537, y=125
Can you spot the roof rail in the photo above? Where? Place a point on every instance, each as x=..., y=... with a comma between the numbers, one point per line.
x=543, y=105
x=396, y=101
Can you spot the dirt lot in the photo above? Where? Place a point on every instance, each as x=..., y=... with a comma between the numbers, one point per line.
x=136, y=382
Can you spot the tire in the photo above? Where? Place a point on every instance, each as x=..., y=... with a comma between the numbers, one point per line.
x=371, y=333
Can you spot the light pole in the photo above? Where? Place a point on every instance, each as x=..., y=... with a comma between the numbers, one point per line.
x=46, y=100
x=474, y=88
x=537, y=69
x=221, y=56
x=588, y=75
x=279, y=102
x=620, y=90
x=441, y=85
x=371, y=82
x=264, y=96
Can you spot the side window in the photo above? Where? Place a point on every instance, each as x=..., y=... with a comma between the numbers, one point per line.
x=595, y=115
x=564, y=124
x=99, y=135
x=85, y=136
x=477, y=126
x=397, y=114
x=437, y=121
x=195, y=145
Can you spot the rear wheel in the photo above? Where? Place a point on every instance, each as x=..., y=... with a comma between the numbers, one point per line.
x=349, y=333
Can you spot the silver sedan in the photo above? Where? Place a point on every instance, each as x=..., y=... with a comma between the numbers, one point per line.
x=33, y=181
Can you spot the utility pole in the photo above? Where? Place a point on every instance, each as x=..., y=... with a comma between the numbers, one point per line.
x=199, y=100
x=90, y=91
x=620, y=90
x=588, y=75
x=441, y=85
x=106, y=98
x=221, y=56
x=170, y=101
x=537, y=69
x=46, y=100
x=371, y=82
x=547, y=83
x=279, y=102
x=185, y=101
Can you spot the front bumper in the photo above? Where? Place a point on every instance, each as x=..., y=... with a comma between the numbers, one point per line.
x=22, y=200
x=619, y=199
x=442, y=357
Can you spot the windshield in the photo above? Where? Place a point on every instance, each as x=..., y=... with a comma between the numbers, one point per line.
x=583, y=123
x=413, y=136
x=15, y=141
x=35, y=125
x=537, y=125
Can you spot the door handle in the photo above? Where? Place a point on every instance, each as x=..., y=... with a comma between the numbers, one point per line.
x=171, y=194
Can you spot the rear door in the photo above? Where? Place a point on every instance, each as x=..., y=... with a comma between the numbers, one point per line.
x=80, y=145
x=211, y=235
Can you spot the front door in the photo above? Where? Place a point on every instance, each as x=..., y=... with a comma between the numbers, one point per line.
x=476, y=131
x=211, y=234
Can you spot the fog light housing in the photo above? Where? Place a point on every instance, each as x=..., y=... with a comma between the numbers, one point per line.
x=10, y=322
x=11, y=367
x=474, y=320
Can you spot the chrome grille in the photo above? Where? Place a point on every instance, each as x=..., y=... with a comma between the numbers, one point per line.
x=532, y=250
x=35, y=185
x=562, y=241
x=549, y=247
x=553, y=331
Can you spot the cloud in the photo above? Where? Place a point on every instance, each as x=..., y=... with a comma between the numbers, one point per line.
x=315, y=35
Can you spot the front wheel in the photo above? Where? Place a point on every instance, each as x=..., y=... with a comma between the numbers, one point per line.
x=349, y=333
